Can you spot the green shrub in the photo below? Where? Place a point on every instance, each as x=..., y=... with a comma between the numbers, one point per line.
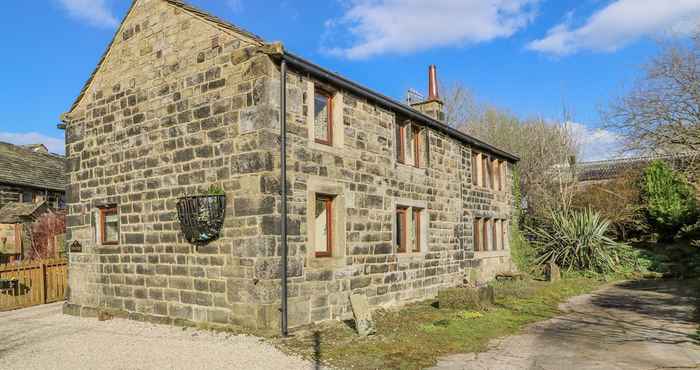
x=576, y=240
x=669, y=199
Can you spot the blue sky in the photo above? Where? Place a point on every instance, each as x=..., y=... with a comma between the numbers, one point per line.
x=529, y=56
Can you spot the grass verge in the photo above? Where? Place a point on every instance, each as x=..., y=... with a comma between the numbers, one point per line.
x=415, y=336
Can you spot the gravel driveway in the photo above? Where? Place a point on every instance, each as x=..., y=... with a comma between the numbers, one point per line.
x=634, y=325
x=43, y=338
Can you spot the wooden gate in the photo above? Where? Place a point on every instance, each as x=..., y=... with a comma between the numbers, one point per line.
x=32, y=283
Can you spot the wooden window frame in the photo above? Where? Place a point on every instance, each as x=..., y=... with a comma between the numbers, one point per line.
x=401, y=142
x=417, y=226
x=485, y=235
x=416, y=145
x=477, y=234
x=495, y=237
x=402, y=212
x=329, y=103
x=475, y=169
x=104, y=212
x=328, y=203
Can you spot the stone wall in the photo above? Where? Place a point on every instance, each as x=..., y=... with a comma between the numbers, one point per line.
x=361, y=170
x=179, y=104
x=173, y=108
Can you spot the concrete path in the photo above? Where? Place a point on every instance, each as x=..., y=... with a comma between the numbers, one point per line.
x=43, y=338
x=632, y=325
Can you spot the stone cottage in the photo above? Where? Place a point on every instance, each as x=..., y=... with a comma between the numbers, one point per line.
x=383, y=198
x=30, y=174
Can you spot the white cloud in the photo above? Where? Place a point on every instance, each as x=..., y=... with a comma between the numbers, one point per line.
x=94, y=12
x=620, y=23
x=596, y=143
x=374, y=27
x=54, y=145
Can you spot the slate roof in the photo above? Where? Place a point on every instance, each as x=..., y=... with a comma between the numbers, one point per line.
x=610, y=169
x=15, y=212
x=25, y=167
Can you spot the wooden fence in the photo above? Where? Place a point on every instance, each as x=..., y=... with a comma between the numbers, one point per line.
x=32, y=283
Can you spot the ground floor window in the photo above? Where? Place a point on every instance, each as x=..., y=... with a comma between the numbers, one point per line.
x=109, y=226
x=490, y=234
x=409, y=229
x=323, y=227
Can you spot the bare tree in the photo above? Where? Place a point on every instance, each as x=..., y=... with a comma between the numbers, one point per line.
x=545, y=147
x=661, y=113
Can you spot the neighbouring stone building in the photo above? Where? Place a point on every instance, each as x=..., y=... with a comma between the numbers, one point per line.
x=384, y=199
x=30, y=174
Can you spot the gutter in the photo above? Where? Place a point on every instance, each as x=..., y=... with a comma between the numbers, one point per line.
x=323, y=74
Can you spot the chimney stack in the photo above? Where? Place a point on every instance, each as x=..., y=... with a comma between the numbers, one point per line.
x=433, y=93
x=433, y=105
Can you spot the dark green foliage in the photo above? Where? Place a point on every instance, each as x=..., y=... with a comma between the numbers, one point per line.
x=668, y=198
x=577, y=240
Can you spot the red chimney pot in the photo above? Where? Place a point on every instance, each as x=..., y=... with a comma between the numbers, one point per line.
x=433, y=93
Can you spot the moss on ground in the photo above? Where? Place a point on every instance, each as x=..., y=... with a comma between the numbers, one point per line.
x=415, y=336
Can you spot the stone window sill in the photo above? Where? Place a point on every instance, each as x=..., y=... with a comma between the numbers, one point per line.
x=410, y=167
x=326, y=262
x=408, y=257
x=492, y=254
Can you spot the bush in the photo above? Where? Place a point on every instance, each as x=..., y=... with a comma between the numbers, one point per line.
x=669, y=199
x=576, y=240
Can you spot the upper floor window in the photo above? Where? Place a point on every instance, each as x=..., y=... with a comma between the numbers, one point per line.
x=488, y=171
x=409, y=144
x=109, y=226
x=28, y=196
x=323, y=117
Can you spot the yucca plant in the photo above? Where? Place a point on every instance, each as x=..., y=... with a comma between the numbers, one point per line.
x=576, y=240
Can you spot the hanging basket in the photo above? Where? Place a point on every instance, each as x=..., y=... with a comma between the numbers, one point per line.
x=201, y=217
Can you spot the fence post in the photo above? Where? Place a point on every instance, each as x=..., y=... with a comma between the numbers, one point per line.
x=43, y=282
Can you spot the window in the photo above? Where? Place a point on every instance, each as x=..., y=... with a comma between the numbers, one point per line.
x=409, y=229
x=486, y=165
x=490, y=234
x=416, y=222
x=323, y=228
x=27, y=196
x=409, y=144
x=477, y=234
x=323, y=117
x=498, y=173
x=475, y=169
x=109, y=226
x=401, y=229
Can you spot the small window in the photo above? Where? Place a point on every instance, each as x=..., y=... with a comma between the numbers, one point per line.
x=323, y=226
x=496, y=234
x=477, y=234
x=401, y=229
x=400, y=142
x=486, y=165
x=475, y=169
x=416, y=145
x=323, y=117
x=109, y=226
x=504, y=234
x=485, y=235
x=27, y=196
x=416, y=222
x=409, y=146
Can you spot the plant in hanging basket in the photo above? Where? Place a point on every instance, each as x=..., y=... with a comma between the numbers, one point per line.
x=201, y=217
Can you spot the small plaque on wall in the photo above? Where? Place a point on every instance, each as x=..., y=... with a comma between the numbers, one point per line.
x=76, y=247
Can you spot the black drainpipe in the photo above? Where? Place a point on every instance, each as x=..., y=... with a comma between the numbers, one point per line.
x=283, y=184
